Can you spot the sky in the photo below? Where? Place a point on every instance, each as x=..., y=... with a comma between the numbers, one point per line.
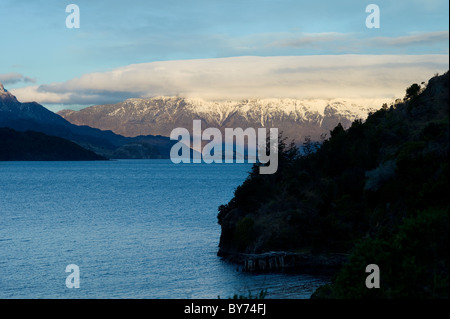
x=218, y=49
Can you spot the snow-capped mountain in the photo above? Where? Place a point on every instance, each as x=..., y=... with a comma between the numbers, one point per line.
x=160, y=115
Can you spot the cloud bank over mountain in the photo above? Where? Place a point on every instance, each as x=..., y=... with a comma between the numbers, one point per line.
x=301, y=77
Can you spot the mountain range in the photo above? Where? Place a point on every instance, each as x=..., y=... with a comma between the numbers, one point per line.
x=35, y=117
x=297, y=119
x=139, y=128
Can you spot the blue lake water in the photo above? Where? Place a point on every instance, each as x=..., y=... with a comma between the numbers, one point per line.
x=135, y=229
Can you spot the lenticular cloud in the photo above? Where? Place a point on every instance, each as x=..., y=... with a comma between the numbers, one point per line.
x=300, y=77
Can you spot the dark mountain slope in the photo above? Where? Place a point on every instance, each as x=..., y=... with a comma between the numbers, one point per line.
x=35, y=146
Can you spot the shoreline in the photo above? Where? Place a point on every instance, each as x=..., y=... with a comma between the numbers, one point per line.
x=291, y=262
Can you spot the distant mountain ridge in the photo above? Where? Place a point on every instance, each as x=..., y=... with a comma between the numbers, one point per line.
x=160, y=115
x=34, y=117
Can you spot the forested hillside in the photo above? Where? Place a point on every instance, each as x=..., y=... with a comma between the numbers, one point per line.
x=378, y=191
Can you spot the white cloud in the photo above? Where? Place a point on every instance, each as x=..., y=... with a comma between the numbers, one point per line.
x=424, y=38
x=32, y=93
x=312, y=39
x=303, y=77
x=13, y=78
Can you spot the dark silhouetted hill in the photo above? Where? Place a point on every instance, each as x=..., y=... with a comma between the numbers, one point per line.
x=36, y=146
x=376, y=192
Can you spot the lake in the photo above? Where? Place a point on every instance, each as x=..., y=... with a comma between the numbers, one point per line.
x=135, y=228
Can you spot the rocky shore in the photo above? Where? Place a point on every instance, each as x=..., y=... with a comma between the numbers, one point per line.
x=284, y=261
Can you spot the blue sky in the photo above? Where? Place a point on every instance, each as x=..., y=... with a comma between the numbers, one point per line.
x=39, y=53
